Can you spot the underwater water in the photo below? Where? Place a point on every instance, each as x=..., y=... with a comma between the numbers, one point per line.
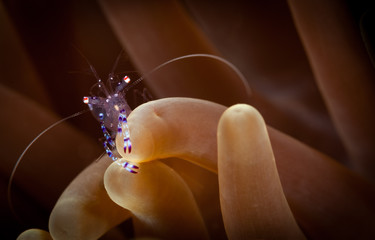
x=297, y=163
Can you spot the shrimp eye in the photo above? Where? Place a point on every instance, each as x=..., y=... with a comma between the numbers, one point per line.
x=126, y=79
x=86, y=100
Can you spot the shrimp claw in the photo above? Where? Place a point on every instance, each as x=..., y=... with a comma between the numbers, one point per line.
x=123, y=129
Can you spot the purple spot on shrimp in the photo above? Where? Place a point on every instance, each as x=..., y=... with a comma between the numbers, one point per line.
x=109, y=153
x=129, y=170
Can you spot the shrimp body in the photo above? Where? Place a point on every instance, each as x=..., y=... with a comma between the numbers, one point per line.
x=107, y=109
x=112, y=111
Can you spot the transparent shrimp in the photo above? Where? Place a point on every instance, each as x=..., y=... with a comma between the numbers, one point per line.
x=108, y=105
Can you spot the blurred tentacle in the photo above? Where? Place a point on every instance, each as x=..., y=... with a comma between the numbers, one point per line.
x=344, y=74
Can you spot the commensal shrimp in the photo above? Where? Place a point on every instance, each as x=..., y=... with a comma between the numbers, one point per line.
x=111, y=109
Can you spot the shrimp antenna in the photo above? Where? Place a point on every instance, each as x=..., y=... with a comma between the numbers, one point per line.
x=203, y=55
x=96, y=75
x=116, y=63
x=112, y=73
x=10, y=203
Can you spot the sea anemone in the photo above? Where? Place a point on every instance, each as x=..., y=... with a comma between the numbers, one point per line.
x=293, y=160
